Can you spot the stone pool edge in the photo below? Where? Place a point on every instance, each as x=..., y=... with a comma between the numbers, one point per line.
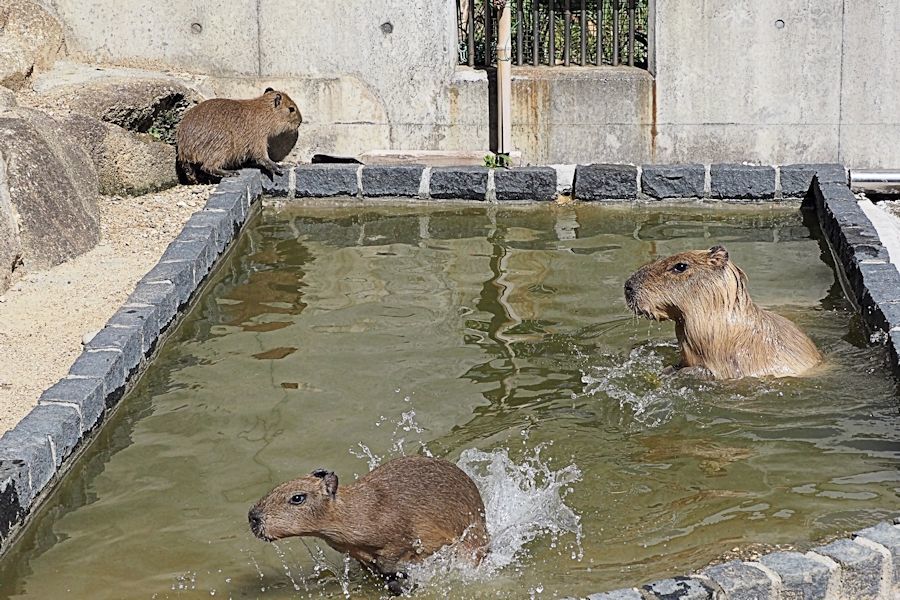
x=40, y=448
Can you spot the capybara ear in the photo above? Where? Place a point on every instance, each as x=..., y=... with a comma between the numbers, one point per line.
x=718, y=256
x=331, y=484
x=330, y=480
x=277, y=100
x=268, y=90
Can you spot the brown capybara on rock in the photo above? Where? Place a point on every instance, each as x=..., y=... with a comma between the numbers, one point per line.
x=220, y=135
x=721, y=332
x=399, y=513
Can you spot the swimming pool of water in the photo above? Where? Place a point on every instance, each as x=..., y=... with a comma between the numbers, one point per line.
x=339, y=336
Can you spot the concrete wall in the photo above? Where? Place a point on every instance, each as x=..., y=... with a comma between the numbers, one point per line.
x=820, y=86
x=731, y=83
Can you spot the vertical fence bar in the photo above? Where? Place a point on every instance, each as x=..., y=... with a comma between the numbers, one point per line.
x=520, y=26
x=600, y=32
x=552, y=58
x=567, y=40
x=583, y=33
x=615, y=33
x=470, y=30
x=631, y=8
x=535, y=34
x=651, y=36
x=488, y=32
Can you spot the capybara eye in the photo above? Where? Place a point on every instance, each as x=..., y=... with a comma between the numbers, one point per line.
x=292, y=109
x=298, y=499
x=680, y=267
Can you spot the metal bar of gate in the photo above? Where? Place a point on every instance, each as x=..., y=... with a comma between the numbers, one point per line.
x=567, y=40
x=583, y=33
x=631, y=7
x=488, y=33
x=615, y=33
x=536, y=34
x=599, y=32
x=470, y=31
x=520, y=26
x=552, y=58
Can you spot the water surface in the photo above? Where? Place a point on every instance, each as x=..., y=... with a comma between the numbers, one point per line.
x=334, y=337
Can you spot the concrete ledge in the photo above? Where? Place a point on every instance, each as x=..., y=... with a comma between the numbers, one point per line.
x=673, y=181
x=391, y=180
x=605, y=182
x=862, y=569
x=742, y=182
x=525, y=183
x=43, y=444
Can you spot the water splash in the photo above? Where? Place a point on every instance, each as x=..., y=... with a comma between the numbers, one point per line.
x=523, y=502
x=637, y=385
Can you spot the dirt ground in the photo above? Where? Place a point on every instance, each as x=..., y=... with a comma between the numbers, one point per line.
x=45, y=315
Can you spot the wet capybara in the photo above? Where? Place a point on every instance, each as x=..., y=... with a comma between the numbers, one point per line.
x=218, y=136
x=399, y=513
x=721, y=333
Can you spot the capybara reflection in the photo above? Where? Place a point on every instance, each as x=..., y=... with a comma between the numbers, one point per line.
x=220, y=135
x=721, y=333
x=397, y=514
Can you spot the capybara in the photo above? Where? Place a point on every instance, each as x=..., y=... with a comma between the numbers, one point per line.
x=399, y=513
x=721, y=333
x=218, y=136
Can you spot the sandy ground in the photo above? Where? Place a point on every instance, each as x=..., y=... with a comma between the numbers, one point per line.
x=45, y=315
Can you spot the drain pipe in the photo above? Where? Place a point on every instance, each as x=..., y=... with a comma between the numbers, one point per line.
x=883, y=181
x=504, y=78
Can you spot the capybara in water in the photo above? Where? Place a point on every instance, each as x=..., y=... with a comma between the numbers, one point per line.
x=399, y=513
x=220, y=135
x=721, y=333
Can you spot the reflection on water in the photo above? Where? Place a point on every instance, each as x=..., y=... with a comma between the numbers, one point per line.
x=339, y=337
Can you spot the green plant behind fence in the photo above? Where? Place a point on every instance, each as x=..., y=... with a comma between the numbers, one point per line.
x=487, y=55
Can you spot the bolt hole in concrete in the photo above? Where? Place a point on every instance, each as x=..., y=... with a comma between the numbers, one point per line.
x=387, y=27
x=337, y=337
x=779, y=24
x=196, y=28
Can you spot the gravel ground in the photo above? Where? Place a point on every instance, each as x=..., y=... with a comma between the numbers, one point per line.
x=45, y=315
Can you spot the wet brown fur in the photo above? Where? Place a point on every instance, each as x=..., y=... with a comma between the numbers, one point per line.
x=718, y=326
x=399, y=513
x=220, y=135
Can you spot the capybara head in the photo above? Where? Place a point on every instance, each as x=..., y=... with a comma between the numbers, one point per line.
x=670, y=287
x=297, y=507
x=284, y=107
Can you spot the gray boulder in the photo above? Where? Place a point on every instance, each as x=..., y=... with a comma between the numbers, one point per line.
x=152, y=106
x=126, y=162
x=30, y=39
x=48, y=190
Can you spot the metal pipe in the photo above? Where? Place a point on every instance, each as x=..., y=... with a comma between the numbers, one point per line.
x=875, y=181
x=488, y=32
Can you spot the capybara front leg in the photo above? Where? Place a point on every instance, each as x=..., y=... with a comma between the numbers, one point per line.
x=220, y=172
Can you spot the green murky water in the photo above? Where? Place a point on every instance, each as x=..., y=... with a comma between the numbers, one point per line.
x=464, y=327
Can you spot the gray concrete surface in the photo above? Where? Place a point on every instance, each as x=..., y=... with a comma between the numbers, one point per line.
x=764, y=81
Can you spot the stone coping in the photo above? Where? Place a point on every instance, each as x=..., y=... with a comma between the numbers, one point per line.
x=38, y=451
x=590, y=183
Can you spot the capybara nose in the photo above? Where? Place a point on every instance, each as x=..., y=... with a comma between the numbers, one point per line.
x=629, y=290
